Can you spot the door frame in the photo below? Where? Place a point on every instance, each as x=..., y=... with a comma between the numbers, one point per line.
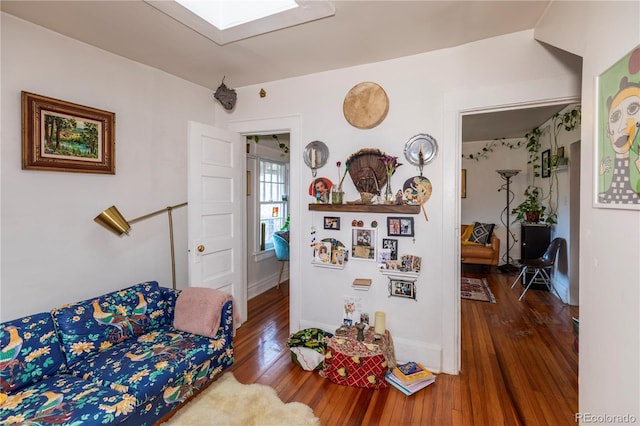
x=456, y=105
x=275, y=125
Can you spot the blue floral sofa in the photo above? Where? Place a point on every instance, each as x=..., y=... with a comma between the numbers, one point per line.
x=114, y=359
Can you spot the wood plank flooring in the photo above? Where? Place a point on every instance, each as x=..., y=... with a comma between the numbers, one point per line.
x=519, y=366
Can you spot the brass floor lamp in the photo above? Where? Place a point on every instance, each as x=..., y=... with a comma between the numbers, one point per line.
x=116, y=223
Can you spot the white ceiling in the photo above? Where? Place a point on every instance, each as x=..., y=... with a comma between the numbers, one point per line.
x=360, y=32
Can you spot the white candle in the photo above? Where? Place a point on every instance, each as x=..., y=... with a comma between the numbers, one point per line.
x=380, y=326
x=313, y=158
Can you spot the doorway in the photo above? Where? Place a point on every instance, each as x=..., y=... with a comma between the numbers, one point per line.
x=283, y=125
x=267, y=192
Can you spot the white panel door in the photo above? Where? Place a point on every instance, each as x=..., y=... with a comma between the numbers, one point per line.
x=216, y=212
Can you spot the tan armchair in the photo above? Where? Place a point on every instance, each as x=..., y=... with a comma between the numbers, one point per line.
x=478, y=253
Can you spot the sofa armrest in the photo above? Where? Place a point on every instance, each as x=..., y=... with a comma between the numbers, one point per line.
x=495, y=246
x=170, y=296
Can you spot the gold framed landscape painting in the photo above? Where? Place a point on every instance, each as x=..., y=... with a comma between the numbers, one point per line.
x=617, y=159
x=63, y=136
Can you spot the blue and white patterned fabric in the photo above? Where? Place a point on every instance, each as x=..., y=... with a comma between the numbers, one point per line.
x=30, y=351
x=125, y=362
x=66, y=400
x=97, y=324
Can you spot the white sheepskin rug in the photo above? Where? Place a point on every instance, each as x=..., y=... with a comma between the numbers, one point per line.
x=229, y=402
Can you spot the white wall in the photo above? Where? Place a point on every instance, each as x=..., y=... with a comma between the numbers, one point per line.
x=52, y=250
x=483, y=202
x=417, y=87
x=609, y=371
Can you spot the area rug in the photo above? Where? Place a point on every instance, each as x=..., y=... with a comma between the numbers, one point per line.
x=476, y=289
x=228, y=402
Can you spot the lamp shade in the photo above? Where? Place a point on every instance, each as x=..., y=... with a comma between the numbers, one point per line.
x=508, y=173
x=113, y=221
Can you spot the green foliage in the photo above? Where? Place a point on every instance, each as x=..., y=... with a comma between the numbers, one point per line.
x=490, y=146
x=534, y=197
x=283, y=147
x=532, y=204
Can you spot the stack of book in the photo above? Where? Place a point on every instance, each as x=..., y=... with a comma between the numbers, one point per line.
x=361, y=283
x=410, y=377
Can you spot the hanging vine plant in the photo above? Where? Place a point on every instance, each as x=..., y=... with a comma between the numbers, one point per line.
x=283, y=147
x=534, y=194
x=567, y=121
x=490, y=146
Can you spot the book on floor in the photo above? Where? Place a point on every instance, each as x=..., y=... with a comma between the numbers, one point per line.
x=410, y=389
x=410, y=372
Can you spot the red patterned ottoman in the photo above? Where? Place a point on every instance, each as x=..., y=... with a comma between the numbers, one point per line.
x=361, y=364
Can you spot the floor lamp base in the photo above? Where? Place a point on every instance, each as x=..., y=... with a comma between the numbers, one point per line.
x=508, y=268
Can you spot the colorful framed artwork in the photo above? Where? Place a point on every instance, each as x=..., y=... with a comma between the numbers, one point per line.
x=546, y=163
x=400, y=226
x=363, y=244
x=617, y=161
x=66, y=137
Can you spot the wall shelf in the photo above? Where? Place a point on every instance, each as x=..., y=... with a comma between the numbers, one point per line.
x=393, y=273
x=367, y=208
x=328, y=265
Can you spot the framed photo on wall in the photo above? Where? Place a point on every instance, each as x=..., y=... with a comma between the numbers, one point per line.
x=402, y=288
x=546, y=163
x=363, y=244
x=332, y=223
x=392, y=245
x=463, y=184
x=66, y=137
x=400, y=226
x=617, y=158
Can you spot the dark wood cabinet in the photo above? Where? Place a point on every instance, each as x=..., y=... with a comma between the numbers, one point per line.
x=534, y=240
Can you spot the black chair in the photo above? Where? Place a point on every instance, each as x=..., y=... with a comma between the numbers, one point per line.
x=540, y=267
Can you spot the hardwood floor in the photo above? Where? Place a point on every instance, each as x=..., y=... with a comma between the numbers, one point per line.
x=519, y=366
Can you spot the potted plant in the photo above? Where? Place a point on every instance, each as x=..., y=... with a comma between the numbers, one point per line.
x=531, y=210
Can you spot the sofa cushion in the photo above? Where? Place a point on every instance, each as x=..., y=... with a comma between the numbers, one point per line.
x=481, y=233
x=96, y=324
x=466, y=233
x=145, y=366
x=30, y=351
x=65, y=400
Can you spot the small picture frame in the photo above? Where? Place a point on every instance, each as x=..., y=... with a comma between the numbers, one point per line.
x=391, y=244
x=400, y=227
x=323, y=252
x=332, y=223
x=546, y=163
x=363, y=244
x=66, y=137
x=463, y=184
x=402, y=288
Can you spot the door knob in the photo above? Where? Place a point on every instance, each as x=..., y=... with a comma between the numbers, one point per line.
x=200, y=248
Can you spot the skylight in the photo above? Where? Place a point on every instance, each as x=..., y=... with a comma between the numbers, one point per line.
x=226, y=14
x=226, y=21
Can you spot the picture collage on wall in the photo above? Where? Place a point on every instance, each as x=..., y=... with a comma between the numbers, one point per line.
x=366, y=245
